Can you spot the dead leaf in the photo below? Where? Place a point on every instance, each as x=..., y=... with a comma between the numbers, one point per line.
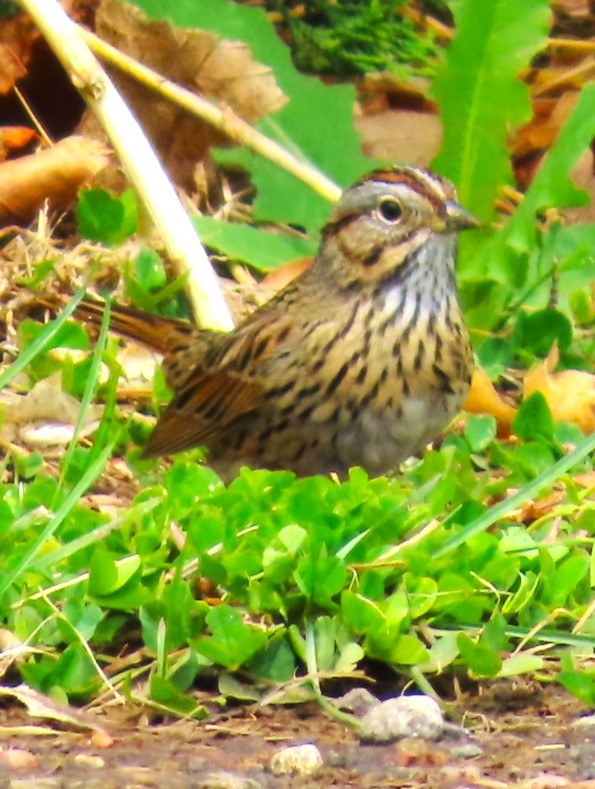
x=14, y=138
x=54, y=174
x=570, y=394
x=17, y=36
x=46, y=416
x=484, y=399
x=41, y=706
x=280, y=277
x=197, y=60
x=586, y=480
x=401, y=135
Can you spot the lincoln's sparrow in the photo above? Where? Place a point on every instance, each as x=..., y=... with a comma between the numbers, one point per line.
x=361, y=360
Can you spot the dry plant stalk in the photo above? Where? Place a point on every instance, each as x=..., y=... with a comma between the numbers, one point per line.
x=138, y=159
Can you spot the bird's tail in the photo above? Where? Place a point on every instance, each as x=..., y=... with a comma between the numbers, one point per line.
x=155, y=332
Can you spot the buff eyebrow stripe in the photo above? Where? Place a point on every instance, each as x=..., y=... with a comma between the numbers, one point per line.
x=413, y=180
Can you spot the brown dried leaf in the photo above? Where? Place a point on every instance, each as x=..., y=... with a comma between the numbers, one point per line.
x=14, y=138
x=54, y=174
x=570, y=394
x=41, y=706
x=280, y=277
x=484, y=399
x=401, y=136
x=195, y=59
x=17, y=36
x=223, y=70
x=46, y=416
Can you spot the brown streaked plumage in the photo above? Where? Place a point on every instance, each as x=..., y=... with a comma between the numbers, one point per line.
x=361, y=360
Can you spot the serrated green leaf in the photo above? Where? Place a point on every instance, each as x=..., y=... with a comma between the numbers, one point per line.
x=505, y=257
x=481, y=96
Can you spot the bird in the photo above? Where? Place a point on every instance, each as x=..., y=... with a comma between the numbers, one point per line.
x=362, y=360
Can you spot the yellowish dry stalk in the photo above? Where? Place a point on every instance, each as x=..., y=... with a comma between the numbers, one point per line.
x=222, y=118
x=138, y=159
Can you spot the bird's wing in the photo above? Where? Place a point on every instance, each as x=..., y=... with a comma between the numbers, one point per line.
x=206, y=407
x=227, y=383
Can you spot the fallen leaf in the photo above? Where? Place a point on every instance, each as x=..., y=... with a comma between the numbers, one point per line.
x=484, y=399
x=197, y=60
x=280, y=277
x=54, y=174
x=45, y=416
x=570, y=394
x=401, y=135
x=14, y=138
x=41, y=706
x=17, y=36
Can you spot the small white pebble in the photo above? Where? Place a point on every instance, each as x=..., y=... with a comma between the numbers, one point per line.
x=297, y=760
x=88, y=760
x=585, y=720
x=226, y=780
x=543, y=781
x=405, y=716
x=18, y=759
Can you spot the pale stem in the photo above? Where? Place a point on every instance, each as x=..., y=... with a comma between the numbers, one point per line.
x=222, y=118
x=138, y=159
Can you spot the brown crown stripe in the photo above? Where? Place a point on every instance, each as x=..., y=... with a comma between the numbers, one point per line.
x=431, y=188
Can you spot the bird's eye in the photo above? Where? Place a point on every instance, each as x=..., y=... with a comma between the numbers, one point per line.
x=390, y=210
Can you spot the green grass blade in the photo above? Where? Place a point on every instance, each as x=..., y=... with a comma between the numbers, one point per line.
x=94, y=470
x=89, y=391
x=547, y=477
x=37, y=346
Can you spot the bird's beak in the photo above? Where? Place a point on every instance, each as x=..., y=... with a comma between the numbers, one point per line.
x=456, y=218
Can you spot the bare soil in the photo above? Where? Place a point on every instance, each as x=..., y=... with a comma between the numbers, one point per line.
x=528, y=739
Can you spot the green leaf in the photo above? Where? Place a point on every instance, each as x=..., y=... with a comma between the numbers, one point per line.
x=481, y=95
x=533, y=420
x=264, y=250
x=69, y=335
x=233, y=641
x=538, y=331
x=530, y=490
x=361, y=614
x=408, y=650
x=320, y=578
x=106, y=219
x=149, y=270
x=480, y=431
x=187, y=483
x=166, y=694
x=276, y=662
x=102, y=572
x=482, y=659
x=523, y=596
x=581, y=684
x=495, y=355
x=522, y=663
x=505, y=257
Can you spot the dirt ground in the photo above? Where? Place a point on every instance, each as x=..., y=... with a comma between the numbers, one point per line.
x=533, y=739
